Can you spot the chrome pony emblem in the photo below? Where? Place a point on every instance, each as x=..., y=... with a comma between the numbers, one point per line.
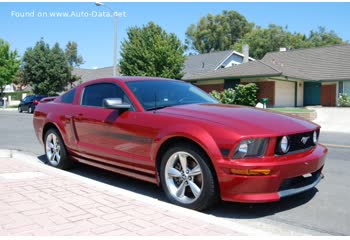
x=304, y=139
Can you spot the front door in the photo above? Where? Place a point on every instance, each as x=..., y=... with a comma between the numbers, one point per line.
x=108, y=135
x=328, y=95
x=312, y=93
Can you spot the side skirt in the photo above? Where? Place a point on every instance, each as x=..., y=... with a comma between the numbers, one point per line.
x=115, y=169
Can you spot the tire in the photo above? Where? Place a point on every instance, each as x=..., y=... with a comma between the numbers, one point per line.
x=30, y=110
x=196, y=188
x=20, y=109
x=55, y=150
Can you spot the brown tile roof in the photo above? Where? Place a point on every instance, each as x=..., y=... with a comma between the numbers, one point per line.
x=91, y=74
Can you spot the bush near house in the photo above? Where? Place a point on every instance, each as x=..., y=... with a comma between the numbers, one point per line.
x=246, y=94
x=227, y=96
x=242, y=95
x=344, y=100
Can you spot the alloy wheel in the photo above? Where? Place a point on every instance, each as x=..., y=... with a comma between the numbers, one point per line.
x=184, y=177
x=53, y=149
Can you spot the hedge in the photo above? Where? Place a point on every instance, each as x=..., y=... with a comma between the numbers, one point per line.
x=17, y=95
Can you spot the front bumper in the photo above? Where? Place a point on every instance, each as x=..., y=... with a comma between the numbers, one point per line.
x=285, y=178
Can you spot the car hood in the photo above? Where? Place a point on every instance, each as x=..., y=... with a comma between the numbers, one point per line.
x=243, y=120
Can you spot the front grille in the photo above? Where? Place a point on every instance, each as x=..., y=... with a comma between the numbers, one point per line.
x=299, y=182
x=298, y=142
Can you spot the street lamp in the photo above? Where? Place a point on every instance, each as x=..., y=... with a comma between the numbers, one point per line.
x=115, y=36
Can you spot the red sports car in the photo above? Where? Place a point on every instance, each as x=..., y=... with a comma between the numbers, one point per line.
x=173, y=134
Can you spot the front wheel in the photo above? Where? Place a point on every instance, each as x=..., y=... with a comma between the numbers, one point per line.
x=187, y=178
x=55, y=150
x=19, y=109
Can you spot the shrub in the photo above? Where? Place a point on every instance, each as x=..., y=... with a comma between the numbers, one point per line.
x=344, y=100
x=226, y=97
x=246, y=94
x=17, y=95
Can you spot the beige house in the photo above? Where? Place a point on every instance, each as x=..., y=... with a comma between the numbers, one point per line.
x=302, y=77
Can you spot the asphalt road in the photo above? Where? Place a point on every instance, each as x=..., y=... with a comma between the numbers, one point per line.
x=323, y=210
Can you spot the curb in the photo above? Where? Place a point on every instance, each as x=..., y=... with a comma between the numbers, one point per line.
x=241, y=228
x=8, y=109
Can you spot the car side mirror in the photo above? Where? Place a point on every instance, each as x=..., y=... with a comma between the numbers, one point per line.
x=115, y=103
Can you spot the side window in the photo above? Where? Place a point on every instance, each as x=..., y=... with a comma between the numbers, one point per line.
x=68, y=97
x=94, y=94
x=29, y=99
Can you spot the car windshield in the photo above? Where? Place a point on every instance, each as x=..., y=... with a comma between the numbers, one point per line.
x=157, y=94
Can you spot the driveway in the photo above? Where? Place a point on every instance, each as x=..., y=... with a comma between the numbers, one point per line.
x=333, y=119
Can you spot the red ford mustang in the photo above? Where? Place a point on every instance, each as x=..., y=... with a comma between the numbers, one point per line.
x=171, y=133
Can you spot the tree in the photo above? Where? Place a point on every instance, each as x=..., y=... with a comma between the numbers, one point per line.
x=150, y=51
x=74, y=60
x=19, y=79
x=217, y=33
x=9, y=65
x=46, y=69
x=264, y=40
x=322, y=37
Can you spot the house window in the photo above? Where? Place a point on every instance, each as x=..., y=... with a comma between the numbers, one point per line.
x=346, y=86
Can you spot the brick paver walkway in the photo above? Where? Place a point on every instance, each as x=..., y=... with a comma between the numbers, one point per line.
x=38, y=200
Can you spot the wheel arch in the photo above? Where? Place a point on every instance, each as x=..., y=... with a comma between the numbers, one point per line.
x=172, y=141
x=48, y=126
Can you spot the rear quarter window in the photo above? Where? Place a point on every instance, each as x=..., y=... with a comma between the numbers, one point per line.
x=68, y=97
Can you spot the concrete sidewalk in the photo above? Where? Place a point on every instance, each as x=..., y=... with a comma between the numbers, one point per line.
x=36, y=199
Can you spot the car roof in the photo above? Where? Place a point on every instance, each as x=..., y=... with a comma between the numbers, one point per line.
x=126, y=79
x=137, y=78
x=36, y=95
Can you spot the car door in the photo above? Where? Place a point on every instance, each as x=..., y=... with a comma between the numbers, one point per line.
x=21, y=104
x=110, y=135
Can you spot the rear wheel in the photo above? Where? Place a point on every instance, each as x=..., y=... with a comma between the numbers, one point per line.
x=30, y=109
x=187, y=178
x=55, y=150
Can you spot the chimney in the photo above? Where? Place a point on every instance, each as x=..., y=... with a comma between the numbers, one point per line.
x=283, y=49
x=245, y=51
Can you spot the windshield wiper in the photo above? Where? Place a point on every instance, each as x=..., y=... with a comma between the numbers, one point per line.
x=158, y=107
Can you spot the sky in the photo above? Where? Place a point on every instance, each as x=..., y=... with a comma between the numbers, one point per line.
x=94, y=34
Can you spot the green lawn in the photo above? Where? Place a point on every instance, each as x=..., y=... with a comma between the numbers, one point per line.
x=291, y=110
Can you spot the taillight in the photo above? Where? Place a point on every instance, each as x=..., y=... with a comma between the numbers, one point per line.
x=35, y=102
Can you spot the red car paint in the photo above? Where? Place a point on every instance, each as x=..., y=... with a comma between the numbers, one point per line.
x=129, y=143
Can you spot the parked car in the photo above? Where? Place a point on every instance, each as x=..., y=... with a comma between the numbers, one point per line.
x=175, y=135
x=29, y=103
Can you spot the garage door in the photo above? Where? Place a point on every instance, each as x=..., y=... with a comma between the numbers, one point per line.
x=284, y=94
x=312, y=93
x=328, y=95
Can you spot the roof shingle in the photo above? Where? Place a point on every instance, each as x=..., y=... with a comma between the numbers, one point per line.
x=322, y=63
x=203, y=63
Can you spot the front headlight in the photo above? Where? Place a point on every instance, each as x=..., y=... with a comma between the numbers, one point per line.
x=314, y=137
x=283, y=145
x=251, y=148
